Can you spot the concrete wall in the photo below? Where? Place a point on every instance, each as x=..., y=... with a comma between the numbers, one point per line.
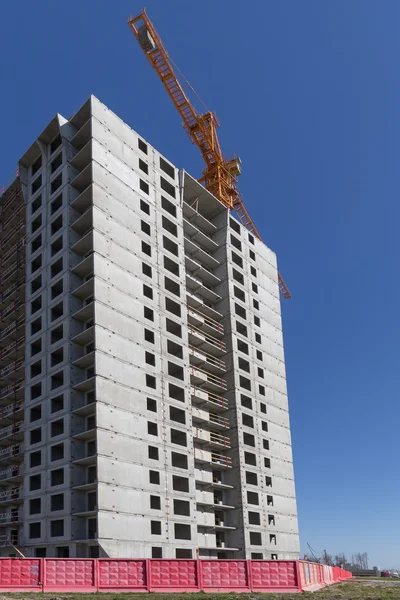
x=124, y=493
x=155, y=432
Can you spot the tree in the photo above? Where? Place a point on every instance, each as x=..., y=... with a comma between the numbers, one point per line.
x=328, y=558
x=341, y=560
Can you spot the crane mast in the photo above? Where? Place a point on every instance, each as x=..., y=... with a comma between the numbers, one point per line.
x=219, y=174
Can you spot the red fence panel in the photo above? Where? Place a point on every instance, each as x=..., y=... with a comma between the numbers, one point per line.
x=313, y=576
x=69, y=574
x=120, y=574
x=273, y=576
x=20, y=574
x=305, y=577
x=224, y=575
x=173, y=575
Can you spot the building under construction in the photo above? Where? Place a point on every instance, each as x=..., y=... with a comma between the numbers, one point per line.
x=143, y=393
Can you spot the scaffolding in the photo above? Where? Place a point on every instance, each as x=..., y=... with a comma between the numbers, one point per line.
x=12, y=357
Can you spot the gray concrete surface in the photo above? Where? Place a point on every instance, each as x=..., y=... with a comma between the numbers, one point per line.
x=156, y=413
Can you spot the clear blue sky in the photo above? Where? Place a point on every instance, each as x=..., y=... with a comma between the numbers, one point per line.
x=308, y=96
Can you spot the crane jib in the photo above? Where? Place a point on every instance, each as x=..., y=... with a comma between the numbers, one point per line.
x=220, y=174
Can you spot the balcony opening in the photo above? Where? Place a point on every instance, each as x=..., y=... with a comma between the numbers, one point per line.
x=251, y=478
x=249, y=439
x=36, y=391
x=36, y=413
x=57, y=335
x=57, y=311
x=242, y=346
x=92, y=529
x=168, y=169
x=183, y=553
x=35, y=506
x=155, y=527
x=57, y=380
x=36, y=369
x=173, y=327
x=180, y=484
x=57, y=141
x=36, y=435
x=182, y=532
x=182, y=507
x=56, y=183
x=57, y=477
x=173, y=307
x=255, y=538
x=179, y=461
x=56, y=502
x=176, y=392
x=36, y=184
x=57, y=452
x=247, y=420
x=252, y=498
x=170, y=246
x=57, y=357
x=143, y=147
x=56, y=267
x=250, y=459
x=167, y=187
x=56, y=204
x=171, y=265
x=57, y=404
x=36, y=165
x=35, y=459
x=175, y=370
x=56, y=246
x=169, y=226
x=178, y=415
x=56, y=225
x=172, y=286
x=36, y=326
x=254, y=518
x=178, y=437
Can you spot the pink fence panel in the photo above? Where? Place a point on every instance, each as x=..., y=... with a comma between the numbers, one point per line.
x=229, y=575
x=341, y=574
x=273, y=576
x=89, y=575
x=304, y=573
x=119, y=574
x=328, y=575
x=310, y=576
x=173, y=575
x=321, y=574
x=344, y=574
x=23, y=574
x=315, y=575
x=72, y=574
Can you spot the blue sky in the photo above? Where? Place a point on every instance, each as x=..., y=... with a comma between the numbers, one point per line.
x=308, y=96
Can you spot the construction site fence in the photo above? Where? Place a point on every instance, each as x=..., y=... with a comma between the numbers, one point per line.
x=153, y=575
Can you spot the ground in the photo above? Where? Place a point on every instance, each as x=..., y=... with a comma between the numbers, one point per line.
x=352, y=590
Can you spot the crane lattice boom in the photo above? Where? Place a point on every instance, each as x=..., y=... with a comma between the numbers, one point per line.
x=219, y=174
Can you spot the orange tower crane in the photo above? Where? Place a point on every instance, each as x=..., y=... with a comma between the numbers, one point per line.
x=219, y=174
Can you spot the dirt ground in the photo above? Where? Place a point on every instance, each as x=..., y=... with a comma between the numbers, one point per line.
x=351, y=590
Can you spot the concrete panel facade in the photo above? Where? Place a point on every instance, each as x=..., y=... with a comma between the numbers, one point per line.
x=155, y=398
